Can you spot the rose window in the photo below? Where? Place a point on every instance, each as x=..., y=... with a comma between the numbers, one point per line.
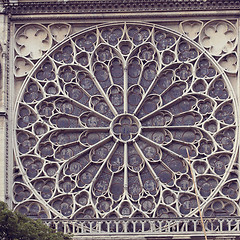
x=104, y=121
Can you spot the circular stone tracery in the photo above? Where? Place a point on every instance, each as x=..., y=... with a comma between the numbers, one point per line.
x=125, y=127
x=104, y=121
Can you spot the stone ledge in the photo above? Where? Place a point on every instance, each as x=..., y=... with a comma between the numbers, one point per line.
x=86, y=6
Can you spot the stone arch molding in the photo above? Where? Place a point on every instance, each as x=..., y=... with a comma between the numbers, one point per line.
x=105, y=115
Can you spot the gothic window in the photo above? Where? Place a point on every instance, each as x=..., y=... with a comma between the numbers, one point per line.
x=105, y=117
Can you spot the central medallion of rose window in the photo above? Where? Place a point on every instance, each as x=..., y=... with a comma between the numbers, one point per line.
x=104, y=121
x=125, y=127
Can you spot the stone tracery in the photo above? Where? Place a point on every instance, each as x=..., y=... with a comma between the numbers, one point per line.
x=104, y=121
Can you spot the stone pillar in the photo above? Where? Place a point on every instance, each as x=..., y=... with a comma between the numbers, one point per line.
x=3, y=102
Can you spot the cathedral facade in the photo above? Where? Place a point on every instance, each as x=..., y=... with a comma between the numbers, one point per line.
x=120, y=119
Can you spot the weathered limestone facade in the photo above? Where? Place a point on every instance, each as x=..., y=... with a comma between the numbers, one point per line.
x=100, y=104
x=3, y=104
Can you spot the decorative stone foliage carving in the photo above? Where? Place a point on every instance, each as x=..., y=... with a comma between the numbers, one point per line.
x=94, y=6
x=105, y=117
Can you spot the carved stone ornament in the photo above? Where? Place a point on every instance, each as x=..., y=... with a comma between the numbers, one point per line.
x=219, y=37
x=32, y=41
x=105, y=117
x=93, y=6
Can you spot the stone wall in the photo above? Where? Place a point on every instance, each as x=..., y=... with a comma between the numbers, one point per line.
x=52, y=52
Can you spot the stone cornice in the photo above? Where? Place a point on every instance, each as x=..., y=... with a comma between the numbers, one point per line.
x=108, y=6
